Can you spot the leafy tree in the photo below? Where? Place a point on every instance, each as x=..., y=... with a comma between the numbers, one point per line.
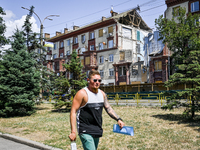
x=70, y=86
x=19, y=80
x=182, y=38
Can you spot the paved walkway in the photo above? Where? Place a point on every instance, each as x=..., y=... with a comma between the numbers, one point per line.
x=11, y=145
x=11, y=142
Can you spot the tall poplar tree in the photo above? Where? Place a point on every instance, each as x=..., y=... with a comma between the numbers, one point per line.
x=182, y=37
x=19, y=80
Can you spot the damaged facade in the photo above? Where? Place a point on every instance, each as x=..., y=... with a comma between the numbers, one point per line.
x=113, y=46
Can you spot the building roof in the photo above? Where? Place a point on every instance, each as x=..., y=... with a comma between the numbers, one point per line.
x=130, y=17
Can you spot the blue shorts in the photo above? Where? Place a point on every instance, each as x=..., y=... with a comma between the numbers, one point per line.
x=89, y=142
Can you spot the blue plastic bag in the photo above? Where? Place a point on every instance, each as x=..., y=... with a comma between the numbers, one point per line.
x=125, y=130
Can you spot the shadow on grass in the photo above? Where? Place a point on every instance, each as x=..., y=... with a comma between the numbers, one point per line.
x=181, y=120
x=62, y=110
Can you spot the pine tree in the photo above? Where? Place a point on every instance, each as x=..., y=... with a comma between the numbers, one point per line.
x=182, y=38
x=19, y=80
x=78, y=80
x=33, y=44
x=69, y=86
x=3, y=39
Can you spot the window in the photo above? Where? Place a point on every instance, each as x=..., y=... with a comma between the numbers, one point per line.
x=57, y=65
x=101, y=59
x=122, y=56
x=101, y=73
x=100, y=46
x=61, y=55
x=111, y=58
x=92, y=47
x=91, y=35
x=82, y=62
x=111, y=72
x=83, y=38
x=54, y=56
x=68, y=42
x=158, y=65
x=126, y=32
x=68, y=52
x=87, y=73
x=122, y=71
x=138, y=48
x=49, y=49
x=176, y=11
x=110, y=29
x=54, y=46
x=87, y=60
x=110, y=44
x=75, y=40
x=61, y=44
x=100, y=32
x=195, y=6
x=138, y=35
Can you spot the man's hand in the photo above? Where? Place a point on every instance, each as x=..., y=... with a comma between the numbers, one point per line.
x=121, y=124
x=72, y=136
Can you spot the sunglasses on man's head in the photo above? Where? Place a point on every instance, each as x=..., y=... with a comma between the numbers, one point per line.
x=95, y=80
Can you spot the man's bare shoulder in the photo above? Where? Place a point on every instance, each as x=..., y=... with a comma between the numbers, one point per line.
x=81, y=92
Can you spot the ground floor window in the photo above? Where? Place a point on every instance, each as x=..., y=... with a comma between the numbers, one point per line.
x=111, y=72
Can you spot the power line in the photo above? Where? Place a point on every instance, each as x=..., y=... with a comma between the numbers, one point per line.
x=99, y=12
x=152, y=8
x=109, y=8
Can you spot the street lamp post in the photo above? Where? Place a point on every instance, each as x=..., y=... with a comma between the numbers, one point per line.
x=41, y=23
x=41, y=30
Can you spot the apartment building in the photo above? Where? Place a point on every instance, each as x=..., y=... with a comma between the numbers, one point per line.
x=173, y=5
x=157, y=56
x=111, y=46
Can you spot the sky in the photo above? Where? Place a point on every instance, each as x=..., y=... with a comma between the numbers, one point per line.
x=74, y=12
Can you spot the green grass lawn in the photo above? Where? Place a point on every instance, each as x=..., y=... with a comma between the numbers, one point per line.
x=154, y=129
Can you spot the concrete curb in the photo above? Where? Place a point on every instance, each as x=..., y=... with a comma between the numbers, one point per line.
x=28, y=142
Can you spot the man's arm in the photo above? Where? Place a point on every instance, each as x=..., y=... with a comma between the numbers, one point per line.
x=111, y=112
x=77, y=101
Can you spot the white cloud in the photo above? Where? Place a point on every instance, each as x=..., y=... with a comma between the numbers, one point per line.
x=12, y=24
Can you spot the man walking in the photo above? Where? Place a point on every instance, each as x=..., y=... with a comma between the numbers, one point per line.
x=87, y=107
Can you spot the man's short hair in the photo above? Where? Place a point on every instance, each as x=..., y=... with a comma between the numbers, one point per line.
x=92, y=73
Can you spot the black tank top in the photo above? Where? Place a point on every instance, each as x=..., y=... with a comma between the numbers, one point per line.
x=89, y=116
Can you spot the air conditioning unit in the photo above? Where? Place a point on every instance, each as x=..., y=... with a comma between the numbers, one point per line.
x=110, y=34
x=104, y=31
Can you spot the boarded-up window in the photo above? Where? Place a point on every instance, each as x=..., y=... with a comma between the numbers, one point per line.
x=82, y=62
x=87, y=60
x=110, y=29
x=122, y=55
x=100, y=32
x=158, y=65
